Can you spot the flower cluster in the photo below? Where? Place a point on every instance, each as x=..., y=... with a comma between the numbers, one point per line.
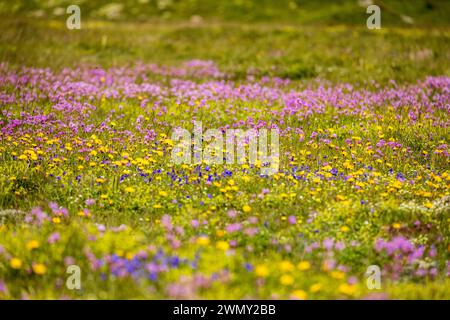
x=86, y=179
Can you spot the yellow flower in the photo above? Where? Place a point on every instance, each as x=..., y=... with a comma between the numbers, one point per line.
x=299, y=294
x=261, y=271
x=33, y=244
x=129, y=255
x=315, y=287
x=169, y=142
x=396, y=225
x=39, y=268
x=129, y=189
x=303, y=265
x=246, y=208
x=163, y=194
x=15, y=263
x=286, y=266
x=286, y=280
x=337, y=274
x=222, y=245
x=56, y=220
x=220, y=233
x=347, y=289
x=345, y=229
x=429, y=205
x=203, y=241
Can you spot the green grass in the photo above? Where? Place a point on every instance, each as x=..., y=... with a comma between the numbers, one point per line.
x=297, y=39
x=422, y=12
x=338, y=53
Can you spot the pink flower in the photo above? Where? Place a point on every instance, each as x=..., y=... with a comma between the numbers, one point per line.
x=166, y=222
x=292, y=219
x=233, y=227
x=232, y=213
x=54, y=237
x=194, y=223
x=3, y=288
x=90, y=202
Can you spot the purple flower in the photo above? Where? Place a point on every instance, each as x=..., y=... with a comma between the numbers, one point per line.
x=328, y=243
x=234, y=227
x=292, y=219
x=194, y=223
x=3, y=288
x=54, y=237
x=90, y=202
x=232, y=213
x=251, y=231
x=166, y=222
x=253, y=220
x=69, y=261
x=339, y=246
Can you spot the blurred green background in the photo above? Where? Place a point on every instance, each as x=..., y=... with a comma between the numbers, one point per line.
x=395, y=12
x=298, y=39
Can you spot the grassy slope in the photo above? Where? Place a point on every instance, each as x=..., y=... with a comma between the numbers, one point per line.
x=423, y=12
x=339, y=53
x=303, y=41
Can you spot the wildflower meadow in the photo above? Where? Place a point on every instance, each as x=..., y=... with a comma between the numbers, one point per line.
x=109, y=188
